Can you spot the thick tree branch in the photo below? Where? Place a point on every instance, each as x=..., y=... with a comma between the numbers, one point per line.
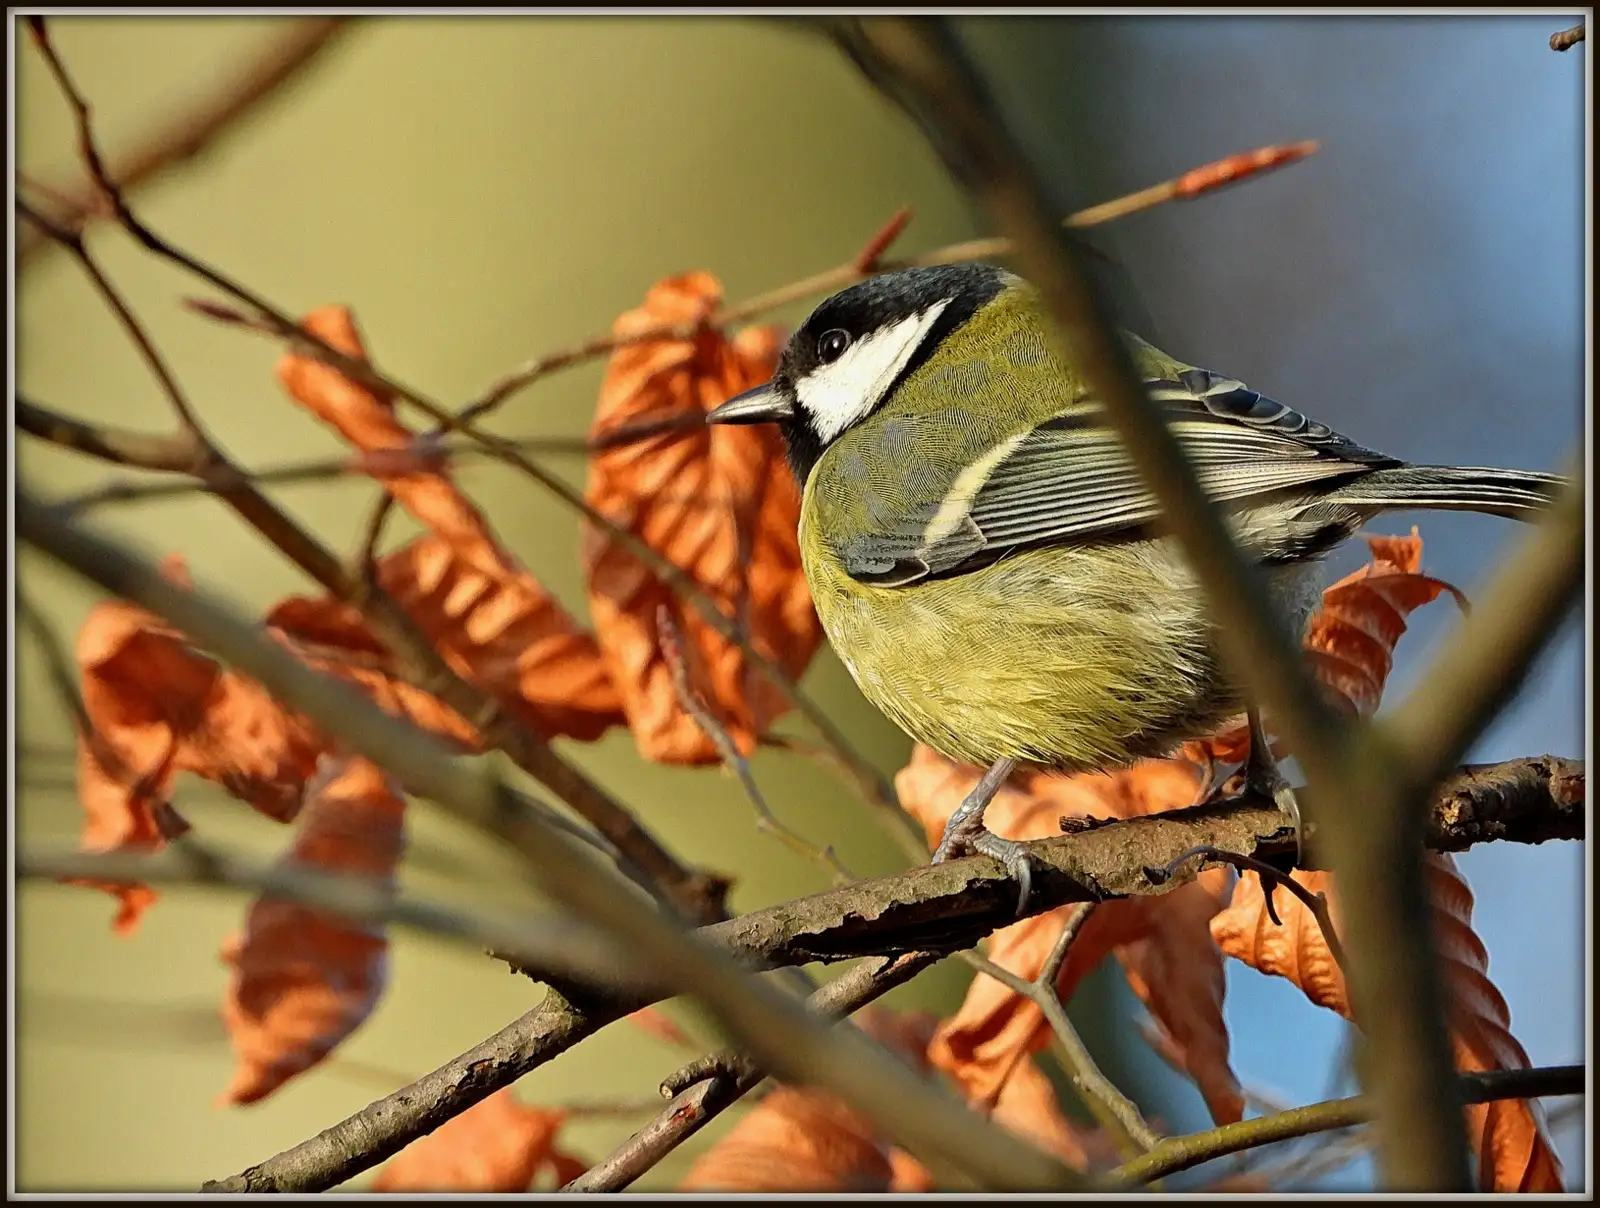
x=946, y=907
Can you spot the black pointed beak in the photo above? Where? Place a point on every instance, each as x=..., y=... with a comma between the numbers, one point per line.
x=762, y=405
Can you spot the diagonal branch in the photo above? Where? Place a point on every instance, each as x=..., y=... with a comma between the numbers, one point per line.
x=1374, y=832
x=1114, y=1110
x=699, y=1102
x=696, y=893
x=562, y=949
x=913, y=1111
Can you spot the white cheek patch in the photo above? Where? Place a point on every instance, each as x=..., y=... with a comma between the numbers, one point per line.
x=837, y=395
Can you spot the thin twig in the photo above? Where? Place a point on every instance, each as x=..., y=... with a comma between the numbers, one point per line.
x=1050, y=973
x=188, y=422
x=700, y=1097
x=644, y=858
x=1316, y=903
x=869, y=261
x=364, y=565
x=1180, y=1153
x=146, y=451
x=1114, y=1110
x=1566, y=39
x=694, y=704
x=326, y=469
x=1125, y=1123
x=179, y=138
x=911, y=1110
x=565, y=949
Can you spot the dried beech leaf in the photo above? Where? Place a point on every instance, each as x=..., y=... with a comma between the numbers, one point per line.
x=717, y=501
x=799, y=1139
x=1176, y=970
x=303, y=979
x=158, y=707
x=907, y=1175
x=1350, y=640
x=1297, y=950
x=493, y=622
x=1510, y=1136
x=504, y=635
x=1163, y=942
x=495, y=1145
x=795, y=1140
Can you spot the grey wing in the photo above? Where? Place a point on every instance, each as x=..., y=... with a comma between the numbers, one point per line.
x=1069, y=480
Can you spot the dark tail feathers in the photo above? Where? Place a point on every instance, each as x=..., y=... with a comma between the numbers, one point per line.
x=1517, y=494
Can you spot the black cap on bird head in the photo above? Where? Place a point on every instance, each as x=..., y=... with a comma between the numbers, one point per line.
x=855, y=348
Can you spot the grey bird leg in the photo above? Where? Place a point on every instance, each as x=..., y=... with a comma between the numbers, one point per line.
x=965, y=832
x=1262, y=775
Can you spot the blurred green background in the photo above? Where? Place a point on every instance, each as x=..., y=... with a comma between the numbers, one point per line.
x=483, y=190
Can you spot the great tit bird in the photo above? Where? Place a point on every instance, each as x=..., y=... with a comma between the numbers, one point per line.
x=985, y=558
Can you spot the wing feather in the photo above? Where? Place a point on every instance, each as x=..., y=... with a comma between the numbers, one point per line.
x=1070, y=480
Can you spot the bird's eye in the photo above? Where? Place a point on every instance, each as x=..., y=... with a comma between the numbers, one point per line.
x=831, y=345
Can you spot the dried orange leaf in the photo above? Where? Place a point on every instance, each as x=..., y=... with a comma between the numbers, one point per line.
x=798, y=1139
x=367, y=420
x=303, y=979
x=504, y=634
x=1510, y=1136
x=719, y=502
x=1163, y=942
x=491, y=620
x=1176, y=970
x=795, y=1140
x=907, y=1175
x=1297, y=950
x=157, y=707
x=496, y=1145
x=1350, y=640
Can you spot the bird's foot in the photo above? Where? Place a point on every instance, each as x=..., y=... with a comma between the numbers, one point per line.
x=1264, y=777
x=965, y=832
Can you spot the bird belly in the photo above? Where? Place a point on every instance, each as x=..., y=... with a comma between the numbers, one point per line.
x=1070, y=660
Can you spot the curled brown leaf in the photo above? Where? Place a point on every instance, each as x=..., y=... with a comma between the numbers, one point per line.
x=303, y=979
x=719, y=503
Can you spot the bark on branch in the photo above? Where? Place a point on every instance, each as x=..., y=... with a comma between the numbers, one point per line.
x=943, y=907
